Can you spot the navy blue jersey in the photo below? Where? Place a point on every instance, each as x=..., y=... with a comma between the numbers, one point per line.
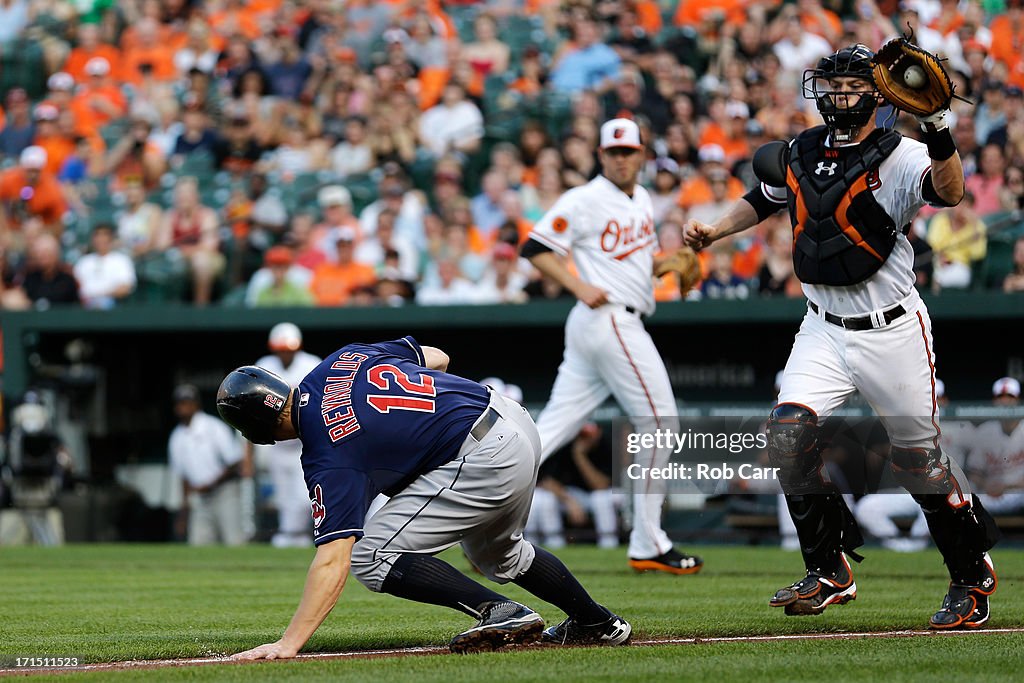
x=372, y=419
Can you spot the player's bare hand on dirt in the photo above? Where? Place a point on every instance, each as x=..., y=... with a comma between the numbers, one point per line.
x=697, y=235
x=268, y=651
x=590, y=295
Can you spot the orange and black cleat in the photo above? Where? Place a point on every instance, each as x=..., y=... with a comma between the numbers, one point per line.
x=672, y=562
x=967, y=606
x=816, y=591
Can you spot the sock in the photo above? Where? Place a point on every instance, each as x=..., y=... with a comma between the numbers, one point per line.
x=424, y=578
x=550, y=580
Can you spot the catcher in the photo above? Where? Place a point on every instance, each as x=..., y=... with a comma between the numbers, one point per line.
x=852, y=189
x=608, y=225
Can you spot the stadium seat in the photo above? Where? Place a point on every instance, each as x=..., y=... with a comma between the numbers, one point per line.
x=363, y=189
x=23, y=67
x=998, y=261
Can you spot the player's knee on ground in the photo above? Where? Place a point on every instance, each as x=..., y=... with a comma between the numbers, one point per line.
x=793, y=447
x=500, y=565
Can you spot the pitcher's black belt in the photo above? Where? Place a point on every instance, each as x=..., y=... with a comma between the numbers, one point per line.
x=861, y=322
x=633, y=311
x=484, y=424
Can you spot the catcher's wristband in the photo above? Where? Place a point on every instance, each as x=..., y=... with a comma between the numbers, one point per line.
x=940, y=144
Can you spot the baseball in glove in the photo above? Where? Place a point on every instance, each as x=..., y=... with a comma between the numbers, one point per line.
x=684, y=262
x=912, y=79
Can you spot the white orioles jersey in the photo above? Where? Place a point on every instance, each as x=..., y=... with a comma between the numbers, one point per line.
x=611, y=237
x=899, y=192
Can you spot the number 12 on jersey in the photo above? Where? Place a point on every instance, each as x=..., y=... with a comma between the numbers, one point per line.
x=407, y=393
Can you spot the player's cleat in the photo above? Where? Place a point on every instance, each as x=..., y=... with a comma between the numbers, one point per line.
x=614, y=631
x=501, y=624
x=967, y=606
x=813, y=593
x=673, y=562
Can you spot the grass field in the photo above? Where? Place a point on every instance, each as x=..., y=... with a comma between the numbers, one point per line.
x=114, y=603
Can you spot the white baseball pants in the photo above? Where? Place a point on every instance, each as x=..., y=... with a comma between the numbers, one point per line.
x=608, y=352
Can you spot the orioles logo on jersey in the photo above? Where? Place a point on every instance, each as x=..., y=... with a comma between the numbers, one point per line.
x=560, y=224
x=316, y=504
x=629, y=237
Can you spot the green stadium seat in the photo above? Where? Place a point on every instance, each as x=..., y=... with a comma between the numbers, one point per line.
x=421, y=172
x=556, y=112
x=363, y=189
x=23, y=67
x=998, y=261
x=463, y=17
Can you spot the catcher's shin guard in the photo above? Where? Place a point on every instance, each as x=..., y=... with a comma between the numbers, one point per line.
x=824, y=523
x=961, y=527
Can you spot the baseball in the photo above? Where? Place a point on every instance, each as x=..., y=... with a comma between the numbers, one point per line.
x=914, y=77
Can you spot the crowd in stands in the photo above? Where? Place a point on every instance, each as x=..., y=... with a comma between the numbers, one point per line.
x=359, y=152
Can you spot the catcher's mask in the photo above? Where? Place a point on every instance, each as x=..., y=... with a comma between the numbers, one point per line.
x=843, y=121
x=251, y=399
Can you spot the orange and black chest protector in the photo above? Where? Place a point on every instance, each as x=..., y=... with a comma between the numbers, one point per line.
x=841, y=234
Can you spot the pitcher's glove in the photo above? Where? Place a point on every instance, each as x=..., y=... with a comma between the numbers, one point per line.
x=684, y=262
x=913, y=80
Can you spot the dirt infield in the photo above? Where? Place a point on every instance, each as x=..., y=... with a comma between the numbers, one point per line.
x=439, y=650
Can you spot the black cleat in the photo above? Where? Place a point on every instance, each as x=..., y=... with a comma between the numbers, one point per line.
x=966, y=606
x=501, y=623
x=672, y=562
x=813, y=593
x=614, y=631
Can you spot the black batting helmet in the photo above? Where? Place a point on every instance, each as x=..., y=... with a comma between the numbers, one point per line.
x=251, y=399
x=855, y=61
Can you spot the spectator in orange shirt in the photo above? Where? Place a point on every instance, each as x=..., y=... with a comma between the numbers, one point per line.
x=949, y=18
x=89, y=46
x=150, y=49
x=58, y=147
x=695, y=13
x=1008, y=33
x=532, y=74
x=135, y=158
x=151, y=10
x=697, y=189
x=99, y=101
x=234, y=19
x=334, y=283
x=817, y=19
x=31, y=200
x=730, y=134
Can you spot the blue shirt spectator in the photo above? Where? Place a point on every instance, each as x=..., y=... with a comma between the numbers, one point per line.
x=592, y=65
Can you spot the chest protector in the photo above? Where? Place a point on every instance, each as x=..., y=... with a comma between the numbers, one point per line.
x=841, y=234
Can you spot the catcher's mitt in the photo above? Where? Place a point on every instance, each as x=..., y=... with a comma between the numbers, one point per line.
x=684, y=262
x=924, y=91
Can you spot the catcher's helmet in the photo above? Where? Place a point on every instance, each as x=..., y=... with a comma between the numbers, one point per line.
x=854, y=61
x=251, y=399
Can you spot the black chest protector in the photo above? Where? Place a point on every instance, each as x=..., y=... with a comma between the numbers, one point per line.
x=841, y=235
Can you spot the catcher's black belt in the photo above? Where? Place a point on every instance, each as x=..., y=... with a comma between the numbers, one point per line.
x=862, y=322
x=484, y=424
